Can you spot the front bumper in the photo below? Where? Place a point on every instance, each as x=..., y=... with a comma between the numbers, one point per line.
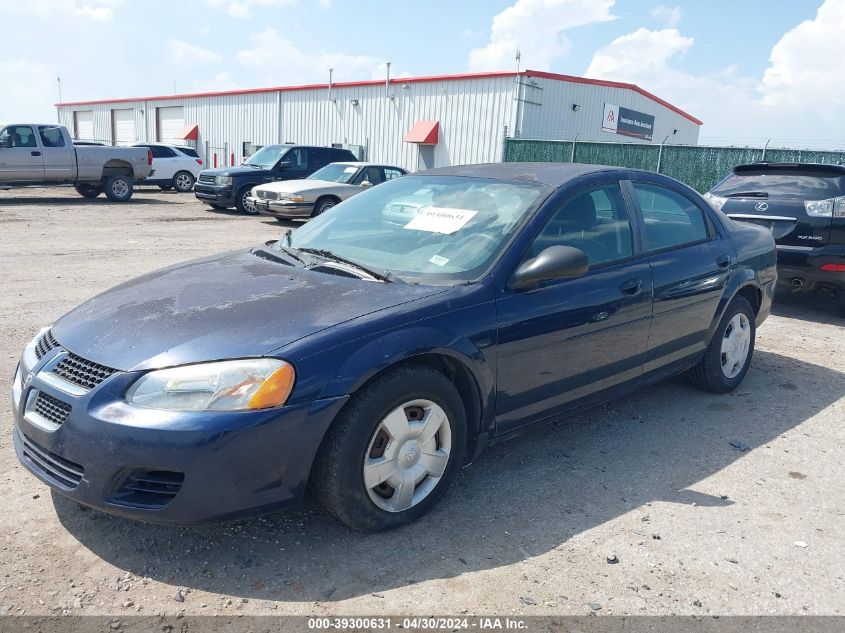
x=216, y=194
x=214, y=466
x=804, y=264
x=282, y=208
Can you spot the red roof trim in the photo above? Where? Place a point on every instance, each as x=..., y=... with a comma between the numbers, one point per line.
x=397, y=80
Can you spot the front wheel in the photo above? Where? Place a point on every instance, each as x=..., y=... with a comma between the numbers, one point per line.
x=394, y=450
x=323, y=205
x=183, y=181
x=89, y=191
x=242, y=204
x=118, y=188
x=728, y=356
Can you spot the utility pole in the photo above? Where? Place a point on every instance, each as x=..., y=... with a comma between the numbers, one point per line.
x=58, y=112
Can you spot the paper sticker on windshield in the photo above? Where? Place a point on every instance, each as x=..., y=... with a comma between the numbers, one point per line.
x=350, y=170
x=440, y=220
x=438, y=260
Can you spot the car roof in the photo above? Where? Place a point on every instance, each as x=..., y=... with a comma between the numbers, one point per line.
x=358, y=163
x=551, y=174
x=792, y=167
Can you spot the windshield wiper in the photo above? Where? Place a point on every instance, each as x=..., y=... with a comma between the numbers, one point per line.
x=291, y=253
x=747, y=194
x=383, y=276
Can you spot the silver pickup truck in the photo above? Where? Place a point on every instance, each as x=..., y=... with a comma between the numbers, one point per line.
x=44, y=154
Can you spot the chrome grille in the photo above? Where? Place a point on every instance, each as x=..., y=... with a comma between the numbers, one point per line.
x=51, y=408
x=206, y=178
x=267, y=195
x=50, y=466
x=45, y=343
x=84, y=373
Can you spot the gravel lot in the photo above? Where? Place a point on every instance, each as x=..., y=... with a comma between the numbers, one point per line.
x=698, y=527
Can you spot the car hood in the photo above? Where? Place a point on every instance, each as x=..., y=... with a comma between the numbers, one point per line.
x=227, y=306
x=235, y=171
x=306, y=184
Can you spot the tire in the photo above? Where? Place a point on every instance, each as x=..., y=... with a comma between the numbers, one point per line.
x=323, y=205
x=183, y=181
x=89, y=191
x=118, y=188
x=165, y=187
x=240, y=201
x=724, y=365
x=358, y=441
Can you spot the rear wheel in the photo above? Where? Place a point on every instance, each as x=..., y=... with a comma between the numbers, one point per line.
x=118, y=188
x=242, y=204
x=728, y=356
x=183, y=181
x=89, y=191
x=393, y=451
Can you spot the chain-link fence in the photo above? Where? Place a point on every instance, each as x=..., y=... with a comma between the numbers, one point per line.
x=699, y=166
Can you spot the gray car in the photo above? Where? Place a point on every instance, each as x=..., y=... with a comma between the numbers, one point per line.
x=308, y=197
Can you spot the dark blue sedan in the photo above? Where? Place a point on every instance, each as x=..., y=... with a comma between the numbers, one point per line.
x=369, y=354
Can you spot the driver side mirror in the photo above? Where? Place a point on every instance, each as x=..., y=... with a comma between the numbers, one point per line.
x=554, y=262
x=6, y=142
x=284, y=164
x=366, y=184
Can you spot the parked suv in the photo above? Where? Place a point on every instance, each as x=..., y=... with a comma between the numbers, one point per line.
x=176, y=167
x=803, y=204
x=231, y=186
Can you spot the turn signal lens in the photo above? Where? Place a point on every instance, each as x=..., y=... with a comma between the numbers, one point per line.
x=274, y=391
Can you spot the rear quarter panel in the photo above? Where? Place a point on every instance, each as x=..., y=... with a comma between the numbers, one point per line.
x=92, y=159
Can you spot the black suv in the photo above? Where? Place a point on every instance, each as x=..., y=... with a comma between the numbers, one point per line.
x=230, y=186
x=803, y=204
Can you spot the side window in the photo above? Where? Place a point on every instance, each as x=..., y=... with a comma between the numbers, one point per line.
x=51, y=136
x=320, y=157
x=342, y=156
x=594, y=220
x=18, y=136
x=390, y=173
x=671, y=220
x=164, y=152
x=297, y=157
x=373, y=175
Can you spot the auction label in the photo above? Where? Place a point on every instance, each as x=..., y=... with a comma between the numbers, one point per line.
x=440, y=220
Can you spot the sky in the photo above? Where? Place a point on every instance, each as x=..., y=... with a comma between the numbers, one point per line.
x=752, y=70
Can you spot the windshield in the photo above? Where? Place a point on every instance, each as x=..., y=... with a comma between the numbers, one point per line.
x=439, y=230
x=803, y=185
x=267, y=156
x=335, y=173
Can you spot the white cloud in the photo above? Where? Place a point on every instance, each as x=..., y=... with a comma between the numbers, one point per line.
x=27, y=91
x=799, y=98
x=278, y=60
x=670, y=16
x=99, y=10
x=243, y=8
x=537, y=29
x=182, y=52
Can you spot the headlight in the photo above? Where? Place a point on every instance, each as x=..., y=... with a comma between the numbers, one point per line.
x=235, y=385
x=716, y=201
x=292, y=197
x=222, y=180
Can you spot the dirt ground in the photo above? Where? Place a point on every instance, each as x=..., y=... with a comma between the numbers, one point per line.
x=697, y=526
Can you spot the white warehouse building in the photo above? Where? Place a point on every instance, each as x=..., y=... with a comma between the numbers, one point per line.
x=416, y=122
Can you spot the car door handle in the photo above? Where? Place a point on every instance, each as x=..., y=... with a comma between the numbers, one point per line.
x=36, y=153
x=723, y=261
x=631, y=287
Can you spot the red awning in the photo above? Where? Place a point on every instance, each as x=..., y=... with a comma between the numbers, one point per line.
x=423, y=133
x=190, y=132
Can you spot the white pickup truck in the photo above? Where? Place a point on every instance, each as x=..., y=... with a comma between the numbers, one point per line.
x=44, y=154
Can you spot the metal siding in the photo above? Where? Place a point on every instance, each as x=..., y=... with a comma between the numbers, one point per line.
x=555, y=119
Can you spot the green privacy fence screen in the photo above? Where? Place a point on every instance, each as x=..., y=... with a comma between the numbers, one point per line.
x=699, y=166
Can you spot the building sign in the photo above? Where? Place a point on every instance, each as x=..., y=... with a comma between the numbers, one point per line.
x=619, y=120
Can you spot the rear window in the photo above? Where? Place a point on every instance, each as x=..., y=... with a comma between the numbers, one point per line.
x=792, y=184
x=188, y=151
